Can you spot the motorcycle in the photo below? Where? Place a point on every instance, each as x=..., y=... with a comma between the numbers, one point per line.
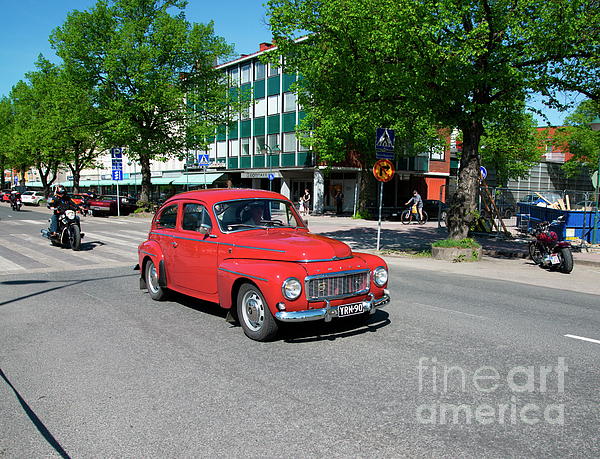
x=69, y=231
x=16, y=203
x=546, y=251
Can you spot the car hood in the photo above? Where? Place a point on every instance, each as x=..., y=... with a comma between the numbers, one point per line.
x=287, y=245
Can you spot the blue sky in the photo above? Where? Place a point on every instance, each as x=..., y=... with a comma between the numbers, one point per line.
x=25, y=26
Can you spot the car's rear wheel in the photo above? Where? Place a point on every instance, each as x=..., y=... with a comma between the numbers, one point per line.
x=254, y=314
x=155, y=291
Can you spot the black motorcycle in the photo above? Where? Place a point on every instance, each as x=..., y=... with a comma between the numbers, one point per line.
x=547, y=251
x=69, y=233
x=16, y=203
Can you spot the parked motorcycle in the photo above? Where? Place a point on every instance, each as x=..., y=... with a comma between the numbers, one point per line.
x=547, y=251
x=16, y=203
x=69, y=233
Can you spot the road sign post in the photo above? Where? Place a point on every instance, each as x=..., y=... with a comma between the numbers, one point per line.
x=116, y=155
x=204, y=161
x=383, y=170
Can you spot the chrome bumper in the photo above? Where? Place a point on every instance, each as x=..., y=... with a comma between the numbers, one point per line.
x=329, y=312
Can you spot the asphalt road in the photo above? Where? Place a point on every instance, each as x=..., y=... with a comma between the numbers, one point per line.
x=456, y=365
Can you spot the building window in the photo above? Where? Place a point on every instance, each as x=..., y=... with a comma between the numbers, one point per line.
x=437, y=153
x=260, y=107
x=289, y=142
x=273, y=141
x=246, y=73
x=301, y=146
x=234, y=77
x=259, y=145
x=221, y=149
x=273, y=105
x=245, y=143
x=234, y=147
x=273, y=69
x=289, y=102
x=245, y=115
x=259, y=70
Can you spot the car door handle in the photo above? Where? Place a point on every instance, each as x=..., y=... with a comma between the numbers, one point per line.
x=174, y=244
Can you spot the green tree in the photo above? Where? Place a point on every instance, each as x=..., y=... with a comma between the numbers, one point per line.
x=6, y=126
x=578, y=138
x=511, y=147
x=36, y=140
x=154, y=72
x=457, y=64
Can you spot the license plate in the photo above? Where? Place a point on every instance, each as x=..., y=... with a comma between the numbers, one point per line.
x=555, y=259
x=350, y=309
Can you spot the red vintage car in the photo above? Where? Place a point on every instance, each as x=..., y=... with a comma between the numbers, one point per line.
x=251, y=252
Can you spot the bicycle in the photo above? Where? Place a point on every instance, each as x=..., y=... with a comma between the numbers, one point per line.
x=412, y=214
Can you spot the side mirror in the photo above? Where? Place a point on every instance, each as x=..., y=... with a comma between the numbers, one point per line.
x=204, y=228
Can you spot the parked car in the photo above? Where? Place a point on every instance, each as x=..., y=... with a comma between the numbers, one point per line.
x=5, y=195
x=107, y=205
x=551, y=196
x=251, y=252
x=32, y=198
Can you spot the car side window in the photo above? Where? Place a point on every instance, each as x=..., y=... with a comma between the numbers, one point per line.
x=168, y=217
x=194, y=215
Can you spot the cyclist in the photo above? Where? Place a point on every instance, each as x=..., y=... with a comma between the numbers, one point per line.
x=418, y=202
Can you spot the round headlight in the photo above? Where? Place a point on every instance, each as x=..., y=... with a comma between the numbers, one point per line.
x=291, y=288
x=380, y=276
x=70, y=214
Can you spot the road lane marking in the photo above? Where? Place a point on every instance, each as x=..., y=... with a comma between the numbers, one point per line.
x=451, y=310
x=583, y=338
x=7, y=265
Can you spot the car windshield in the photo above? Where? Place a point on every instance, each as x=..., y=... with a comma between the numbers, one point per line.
x=28, y=193
x=247, y=214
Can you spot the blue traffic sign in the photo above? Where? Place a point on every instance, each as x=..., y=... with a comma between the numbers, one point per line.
x=482, y=172
x=117, y=174
x=203, y=159
x=116, y=152
x=271, y=176
x=384, y=140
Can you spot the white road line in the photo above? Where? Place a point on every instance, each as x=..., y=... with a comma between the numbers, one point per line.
x=450, y=310
x=7, y=265
x=583, y=338
x=89, y=236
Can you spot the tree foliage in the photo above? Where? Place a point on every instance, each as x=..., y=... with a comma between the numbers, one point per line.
x=154, y=75
x=464, y=64
x=511, y=147
x=579, y=139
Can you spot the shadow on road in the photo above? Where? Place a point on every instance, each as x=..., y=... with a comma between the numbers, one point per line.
x=37, y=422
x=309, y=332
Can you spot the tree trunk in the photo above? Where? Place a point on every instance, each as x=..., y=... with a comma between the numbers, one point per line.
x=464, y=202
x=146, y=182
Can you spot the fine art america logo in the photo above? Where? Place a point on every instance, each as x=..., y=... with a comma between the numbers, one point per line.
x=507, y=388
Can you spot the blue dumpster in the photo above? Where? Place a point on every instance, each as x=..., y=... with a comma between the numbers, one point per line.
x=577, y=224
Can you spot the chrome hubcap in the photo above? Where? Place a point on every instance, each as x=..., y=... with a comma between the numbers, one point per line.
x=152, y=279
x=253, y=311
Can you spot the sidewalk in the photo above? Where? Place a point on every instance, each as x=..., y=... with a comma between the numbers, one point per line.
x=411, y=239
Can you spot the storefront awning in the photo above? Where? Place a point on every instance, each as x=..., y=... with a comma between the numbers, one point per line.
x=197, y=179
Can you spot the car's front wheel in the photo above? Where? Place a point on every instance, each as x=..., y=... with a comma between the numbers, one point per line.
x=254, y=314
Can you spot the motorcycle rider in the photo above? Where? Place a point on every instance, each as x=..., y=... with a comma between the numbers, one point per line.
x=14, y=196
x=59, y=203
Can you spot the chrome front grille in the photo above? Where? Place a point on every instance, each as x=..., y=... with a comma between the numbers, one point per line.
x=337, y=285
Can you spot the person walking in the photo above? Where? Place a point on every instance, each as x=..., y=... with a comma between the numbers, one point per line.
x=305, y=203
x=339, y=201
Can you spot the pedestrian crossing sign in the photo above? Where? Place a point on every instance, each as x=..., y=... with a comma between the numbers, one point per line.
x=203, y=159
x=384, y=143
